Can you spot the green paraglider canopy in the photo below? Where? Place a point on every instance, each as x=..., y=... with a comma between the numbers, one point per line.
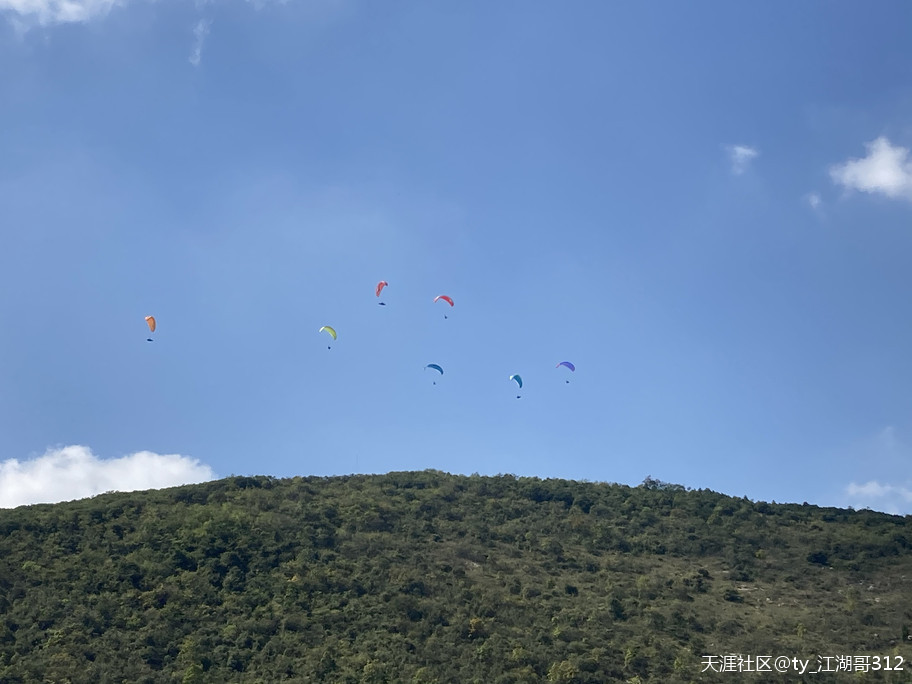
x=330, y=331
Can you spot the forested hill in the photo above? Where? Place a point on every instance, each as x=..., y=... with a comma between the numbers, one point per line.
x=430, y=577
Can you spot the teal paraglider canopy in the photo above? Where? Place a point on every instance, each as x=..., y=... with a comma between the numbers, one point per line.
x=518, y=380
x=436, y=368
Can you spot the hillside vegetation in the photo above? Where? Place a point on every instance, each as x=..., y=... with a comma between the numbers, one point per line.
x=429, y=577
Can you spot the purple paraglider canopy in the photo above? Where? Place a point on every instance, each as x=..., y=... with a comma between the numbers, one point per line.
x=567, y=364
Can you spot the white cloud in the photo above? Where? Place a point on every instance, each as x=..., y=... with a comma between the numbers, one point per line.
x=57, y=11
x=886, y=170
x=74, y=472
x=26, y=14
x=741, y=156
x=814, y=200
x=881, y=479
x=200, y=31
x=889, y=498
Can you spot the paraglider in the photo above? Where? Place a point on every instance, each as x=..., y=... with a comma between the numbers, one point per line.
x=329, y=330
x=518, y=381
x=150, y=321
x=436, y=368
x=445, y=298
x=568, y=365
x=380, y=287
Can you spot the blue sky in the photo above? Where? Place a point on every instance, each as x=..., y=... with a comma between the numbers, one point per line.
x=706, y=207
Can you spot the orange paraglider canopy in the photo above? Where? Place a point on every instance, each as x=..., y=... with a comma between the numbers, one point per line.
x=150, y=320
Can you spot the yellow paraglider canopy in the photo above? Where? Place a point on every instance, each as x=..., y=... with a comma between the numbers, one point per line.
x=326, y=328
